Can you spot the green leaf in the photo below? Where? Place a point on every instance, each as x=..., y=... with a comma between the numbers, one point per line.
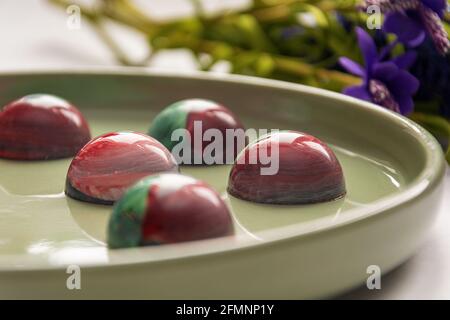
x=438, y=126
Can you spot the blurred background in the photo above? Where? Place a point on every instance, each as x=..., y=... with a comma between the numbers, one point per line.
x=36, y=34
x=292, y=40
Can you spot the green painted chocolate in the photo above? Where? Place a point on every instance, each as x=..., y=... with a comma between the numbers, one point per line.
x=124, y=229
x=168, y=120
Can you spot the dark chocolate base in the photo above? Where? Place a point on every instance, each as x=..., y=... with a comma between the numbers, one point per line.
x=78, y=195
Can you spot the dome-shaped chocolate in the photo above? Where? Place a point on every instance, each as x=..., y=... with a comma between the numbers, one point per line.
x=196, y=117
x=306, y=171
x=168, y=208
x=109, y=164
x=41, y=127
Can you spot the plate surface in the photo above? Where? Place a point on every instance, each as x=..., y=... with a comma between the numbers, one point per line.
x=393, y=170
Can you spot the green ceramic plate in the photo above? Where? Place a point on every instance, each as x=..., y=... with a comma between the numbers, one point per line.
x=393, y=170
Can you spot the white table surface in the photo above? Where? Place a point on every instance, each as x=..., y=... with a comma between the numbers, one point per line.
x=34, y=35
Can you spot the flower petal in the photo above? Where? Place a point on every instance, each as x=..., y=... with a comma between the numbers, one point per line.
x=407, y=81
x=437, y=6
x=406, y=104
x=359, y=92
x=403, y=86
x=406, y=60
x=385, y=71
x=408, y=30
x=368, y=48
x=352, y=66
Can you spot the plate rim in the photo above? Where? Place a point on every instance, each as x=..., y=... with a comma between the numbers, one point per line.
x=427, y=181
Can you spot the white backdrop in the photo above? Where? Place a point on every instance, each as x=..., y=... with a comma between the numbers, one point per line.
x=34, y=35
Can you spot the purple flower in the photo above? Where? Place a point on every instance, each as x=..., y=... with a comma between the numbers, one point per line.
x=385, y=83
x=411, y=20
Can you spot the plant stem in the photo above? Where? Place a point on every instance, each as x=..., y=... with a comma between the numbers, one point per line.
x=96, y=18
x=284, y=9
x=123, y=12
x=120, y=56
x=286, y=65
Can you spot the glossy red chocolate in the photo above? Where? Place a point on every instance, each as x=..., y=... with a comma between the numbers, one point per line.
x=109, y=164
x=308, y=171
x=181, y=209
x=213, y=133
x=212, y=116
x=168, y=208
x=39, y=127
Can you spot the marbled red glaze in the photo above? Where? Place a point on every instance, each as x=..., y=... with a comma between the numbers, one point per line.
x=109, y=164
x=213, y=116
x=309, y=172
x=181, y=208
x=39, y=126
